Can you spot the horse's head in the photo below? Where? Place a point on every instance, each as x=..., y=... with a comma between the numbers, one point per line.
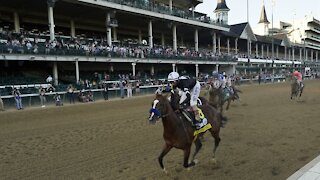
x=159, y=108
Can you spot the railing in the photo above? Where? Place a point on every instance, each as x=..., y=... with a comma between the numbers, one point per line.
x=29, y=100
x=164, y=9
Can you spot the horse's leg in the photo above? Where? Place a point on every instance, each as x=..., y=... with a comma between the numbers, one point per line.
x=165, y=150
x=229, y=101
x=186, y=157
x=198, y=144
x=217, y=140
x=301, y=91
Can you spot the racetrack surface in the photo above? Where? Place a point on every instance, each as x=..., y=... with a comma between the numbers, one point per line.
x=268, y=136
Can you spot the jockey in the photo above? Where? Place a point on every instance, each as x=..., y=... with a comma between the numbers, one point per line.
x=190, y=94
x=298, y=76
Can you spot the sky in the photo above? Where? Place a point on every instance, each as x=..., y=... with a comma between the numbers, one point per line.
x=283, y=10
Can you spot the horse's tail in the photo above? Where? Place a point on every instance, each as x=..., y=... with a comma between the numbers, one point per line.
x=237, y=90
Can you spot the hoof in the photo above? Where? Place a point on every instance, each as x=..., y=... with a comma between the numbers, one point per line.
x=196, y=161
x=165, y=171
x=213, y=161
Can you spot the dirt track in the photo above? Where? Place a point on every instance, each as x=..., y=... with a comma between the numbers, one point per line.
x=268, y=137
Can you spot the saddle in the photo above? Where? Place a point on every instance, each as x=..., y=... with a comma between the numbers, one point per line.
x=189, y=114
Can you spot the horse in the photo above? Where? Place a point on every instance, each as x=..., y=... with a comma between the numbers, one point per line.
x=217, y=98
x=179, y=133
x=296, y=88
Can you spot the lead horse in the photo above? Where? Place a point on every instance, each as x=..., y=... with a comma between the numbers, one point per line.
x=179, y=133
x=296, y=88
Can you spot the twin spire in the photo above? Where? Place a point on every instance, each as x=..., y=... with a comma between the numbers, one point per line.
x=263, y=16
x=221, y=5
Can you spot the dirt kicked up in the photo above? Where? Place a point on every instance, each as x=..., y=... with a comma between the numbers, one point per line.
x=268, y=136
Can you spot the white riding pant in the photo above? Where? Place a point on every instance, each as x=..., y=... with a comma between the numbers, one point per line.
x=194, y=93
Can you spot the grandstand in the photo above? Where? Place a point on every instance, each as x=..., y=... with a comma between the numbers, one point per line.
x=138, y=38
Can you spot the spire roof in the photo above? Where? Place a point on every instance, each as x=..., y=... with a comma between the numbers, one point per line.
x=263, y=16
x=221, y=5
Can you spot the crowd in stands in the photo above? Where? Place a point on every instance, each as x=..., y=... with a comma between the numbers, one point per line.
x=30, y=43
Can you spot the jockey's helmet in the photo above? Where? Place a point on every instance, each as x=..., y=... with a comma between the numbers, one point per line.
x=183, y=77
x=173, y=76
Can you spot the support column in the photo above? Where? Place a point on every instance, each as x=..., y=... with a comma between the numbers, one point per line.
x=311, y=55
x=152, y=70
x=292, y=53
x=173, y=67
x=219, y=43
x=150, y=35
x=197, y=70
x=217, y=67
x=277, y=51
x=306, y=56
x=139, y=36
x=236, y=45
x=196, y=38
x=289, y=54
x=115, y=34
x=317, y=56
x=257, y=49
x=77, y=72
x=109, y=39
x=214, y=42
x=72, y=29
x=300, y=51
x=228, y=46
x=267, y=50
x=133, y=68
x=170, y=6
x=55, y=73
x=234, y=69
x=285, y=52
x=16, y=22
x=261, y=50
x=174, y=33
x=250, y=47
x=162, y=40
x=51, y=19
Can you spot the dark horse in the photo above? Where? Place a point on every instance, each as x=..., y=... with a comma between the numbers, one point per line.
x=296, y=88
x=217, y=98
x=178, y=132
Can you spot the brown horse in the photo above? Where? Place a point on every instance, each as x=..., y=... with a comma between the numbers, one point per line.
x=217, y=98
x=296, y=88
x=178, y=132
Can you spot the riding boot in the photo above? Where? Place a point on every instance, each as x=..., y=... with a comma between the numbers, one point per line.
x=196, y=120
